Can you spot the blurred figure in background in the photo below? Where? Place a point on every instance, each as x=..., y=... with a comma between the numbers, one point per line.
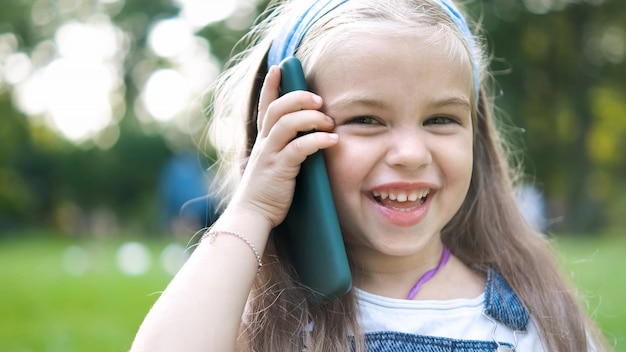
x=533, y=206
x=186, y=204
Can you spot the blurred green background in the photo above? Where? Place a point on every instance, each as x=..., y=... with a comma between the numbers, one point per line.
x=101, y=146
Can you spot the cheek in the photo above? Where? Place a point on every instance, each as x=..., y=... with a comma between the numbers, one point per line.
x=344, y=183
x=338, y=167
x=347, y=168
x=459, y=167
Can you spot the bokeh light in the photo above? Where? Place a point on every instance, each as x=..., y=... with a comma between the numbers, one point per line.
x=199, y=13
x=168, y=38
x=73, y=89
x=133, y=258
x=74, y=82
x=76, y=260
x=173, y=257
x=165, y=94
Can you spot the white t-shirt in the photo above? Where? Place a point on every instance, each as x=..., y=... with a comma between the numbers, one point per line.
x=461, y=319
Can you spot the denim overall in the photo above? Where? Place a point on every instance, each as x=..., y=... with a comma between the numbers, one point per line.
x=501, y=304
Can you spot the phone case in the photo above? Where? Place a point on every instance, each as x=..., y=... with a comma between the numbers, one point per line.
x=313, y=229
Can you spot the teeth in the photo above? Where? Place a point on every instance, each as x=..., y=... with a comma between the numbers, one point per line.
x=402, y=197
x=381, y=195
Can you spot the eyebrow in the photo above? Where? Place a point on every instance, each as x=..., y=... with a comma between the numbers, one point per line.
x=453, y=101
x=349, y=100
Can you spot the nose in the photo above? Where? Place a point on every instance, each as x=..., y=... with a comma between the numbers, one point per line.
x=409, y=149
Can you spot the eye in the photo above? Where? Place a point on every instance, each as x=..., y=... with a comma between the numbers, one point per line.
x=440, y=120
x=364, y=120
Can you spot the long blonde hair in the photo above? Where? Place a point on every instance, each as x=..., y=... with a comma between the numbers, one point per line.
x=487, y=233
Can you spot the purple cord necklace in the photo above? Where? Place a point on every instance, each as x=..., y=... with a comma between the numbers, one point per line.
x=445, y=255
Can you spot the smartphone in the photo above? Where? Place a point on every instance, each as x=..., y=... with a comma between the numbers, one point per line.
x=314, y=236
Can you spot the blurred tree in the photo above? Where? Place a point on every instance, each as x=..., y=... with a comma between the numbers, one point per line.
x=15, y=194
x=47, y=180
x=563, y=63
x=54, y=174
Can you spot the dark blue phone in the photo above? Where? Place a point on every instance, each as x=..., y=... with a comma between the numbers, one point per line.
x=313, y=228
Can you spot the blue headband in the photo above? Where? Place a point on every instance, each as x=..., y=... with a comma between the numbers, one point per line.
x=288, y=40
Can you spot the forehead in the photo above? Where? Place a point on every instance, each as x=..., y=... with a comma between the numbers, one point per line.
x=327, y=41
x=362, y=57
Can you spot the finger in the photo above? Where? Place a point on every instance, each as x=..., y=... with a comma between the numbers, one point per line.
x=289, y=103
x=298, y=149
x=292, y=124
x=269, y=93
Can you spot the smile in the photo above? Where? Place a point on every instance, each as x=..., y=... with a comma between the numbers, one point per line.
x=419, y=196
x=402, y=206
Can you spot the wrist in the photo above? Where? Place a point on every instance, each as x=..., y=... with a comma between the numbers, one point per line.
x=212, y=234
x=237, y=218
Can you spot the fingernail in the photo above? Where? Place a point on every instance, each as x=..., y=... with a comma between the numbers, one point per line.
x=333, y=136
x=317, y=99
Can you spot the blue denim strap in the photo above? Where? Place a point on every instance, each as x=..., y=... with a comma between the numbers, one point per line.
x=502, y=304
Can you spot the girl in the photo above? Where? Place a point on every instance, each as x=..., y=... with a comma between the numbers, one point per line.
x=441, y=258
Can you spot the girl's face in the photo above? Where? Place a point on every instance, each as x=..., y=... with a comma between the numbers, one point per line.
x=403, y=163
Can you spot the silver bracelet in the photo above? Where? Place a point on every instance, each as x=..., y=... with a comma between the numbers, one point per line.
x=212, y=235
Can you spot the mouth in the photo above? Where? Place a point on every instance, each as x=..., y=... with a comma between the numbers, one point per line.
x=402, y=199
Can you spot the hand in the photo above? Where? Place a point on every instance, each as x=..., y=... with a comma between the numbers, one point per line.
x=268, y=180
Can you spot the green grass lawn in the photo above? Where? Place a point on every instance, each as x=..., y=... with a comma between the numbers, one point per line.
x=62, y=295
x=96, y=308
x=597, y=268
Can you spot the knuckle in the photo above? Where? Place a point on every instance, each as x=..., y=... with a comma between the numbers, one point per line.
x=298, y=146
x=271, y=107
x=307, y=144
